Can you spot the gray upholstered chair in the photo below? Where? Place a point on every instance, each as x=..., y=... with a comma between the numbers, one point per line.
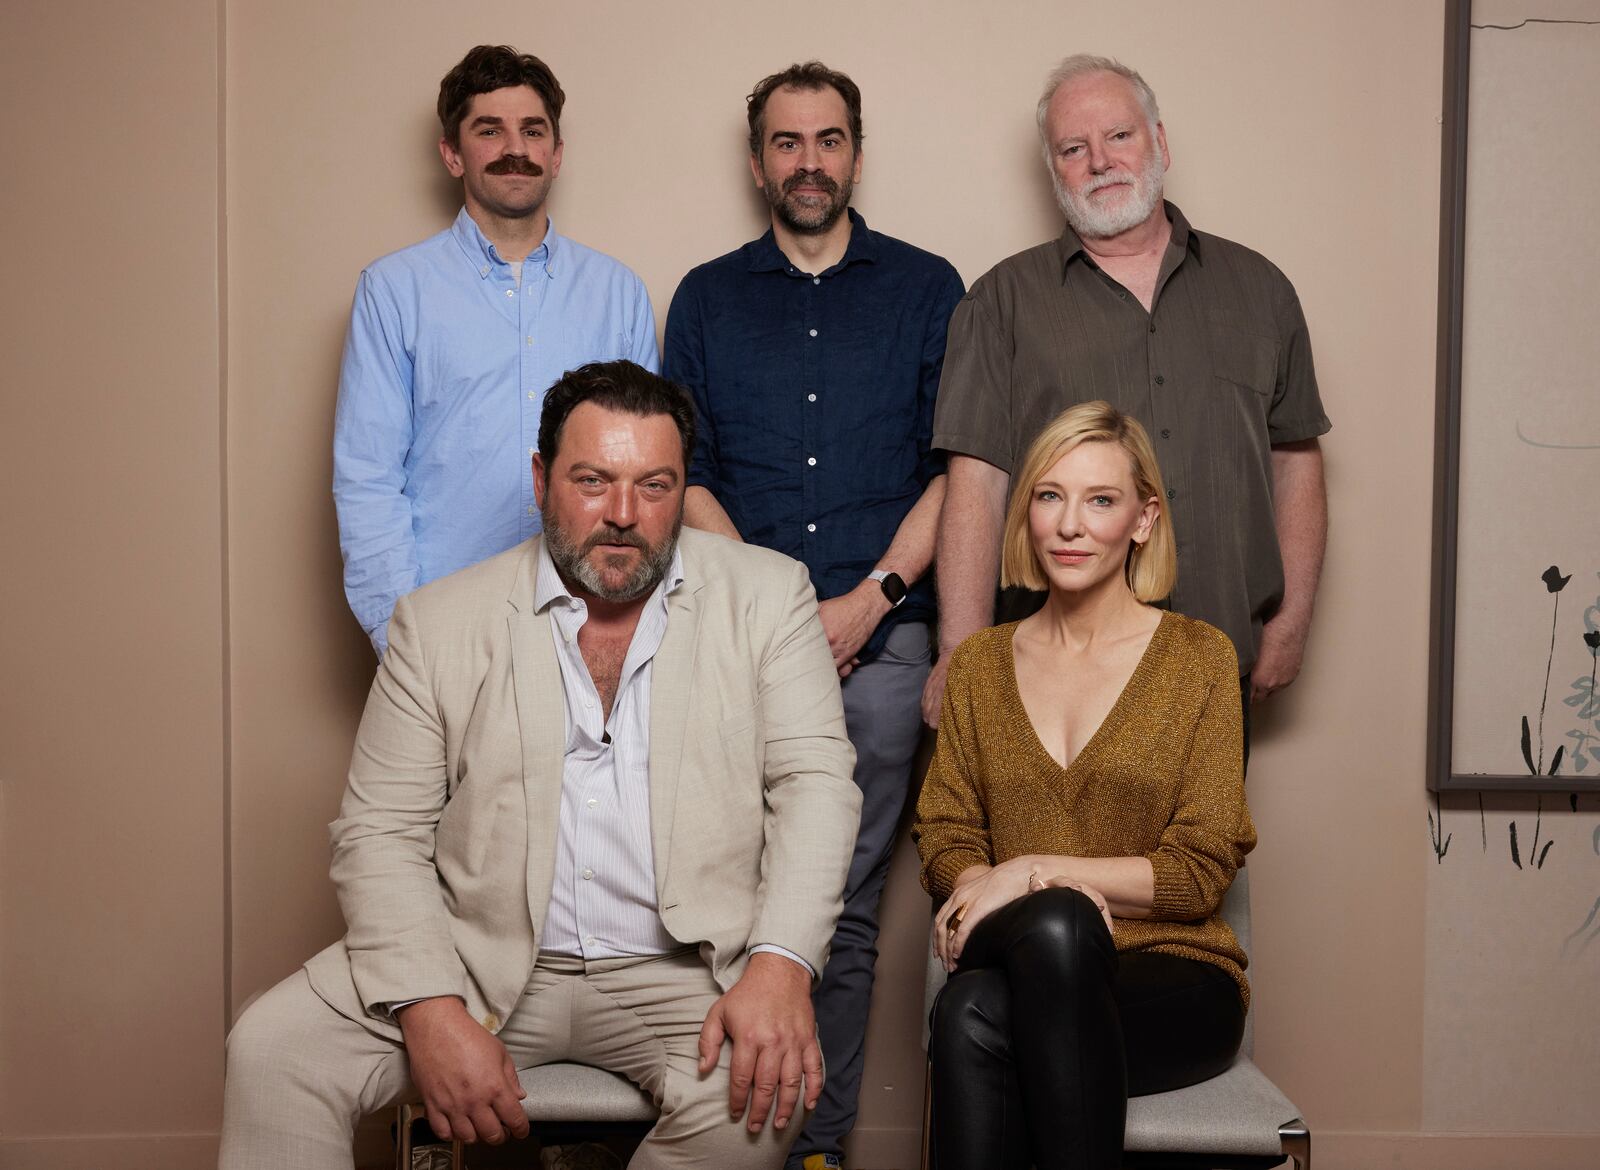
x=1236, y=1121
x=565, y=1102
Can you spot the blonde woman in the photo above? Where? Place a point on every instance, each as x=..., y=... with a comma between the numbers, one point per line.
x=1083, y=816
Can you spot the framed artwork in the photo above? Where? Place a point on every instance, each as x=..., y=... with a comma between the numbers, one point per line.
x=1516, y=552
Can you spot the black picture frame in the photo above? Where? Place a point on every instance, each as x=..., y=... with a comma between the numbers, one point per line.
x=1442, y=775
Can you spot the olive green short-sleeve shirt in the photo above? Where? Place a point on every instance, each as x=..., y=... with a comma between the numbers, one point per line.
x=1219, y=373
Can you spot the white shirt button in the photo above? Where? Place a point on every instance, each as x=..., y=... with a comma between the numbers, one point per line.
x=590, y=941
x=531, y=509
x=593, y=803
x=809, y=397
x=588, y=875
x=811, y=527
x=816, y=280
x=813, y=333
x=530, y=339
x=531, y=396
x=812, y=461
x=511, y=292
x=484, y=271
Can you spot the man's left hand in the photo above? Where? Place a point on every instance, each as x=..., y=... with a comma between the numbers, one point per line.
x=849, y=620
x=767, y=1015
x=1283, y=646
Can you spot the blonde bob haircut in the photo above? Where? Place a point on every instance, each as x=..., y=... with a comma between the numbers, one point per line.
x=1152, y=567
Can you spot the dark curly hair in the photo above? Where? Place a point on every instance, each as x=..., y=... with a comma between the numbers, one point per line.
x=487, y=68
x=621, y=386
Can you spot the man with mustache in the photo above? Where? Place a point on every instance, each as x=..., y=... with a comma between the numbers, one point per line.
x=1199, y=338
x=599, y=810
x=454, y=341
x=813, y=355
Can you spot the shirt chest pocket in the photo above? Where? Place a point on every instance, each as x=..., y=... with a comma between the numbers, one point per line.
x=1243, y=358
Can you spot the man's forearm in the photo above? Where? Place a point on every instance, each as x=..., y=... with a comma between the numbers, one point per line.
x=910, y=553
x=1300, y=508
x=702, y=510
x=969, y=547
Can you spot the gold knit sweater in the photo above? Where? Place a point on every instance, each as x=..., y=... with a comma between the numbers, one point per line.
x=1162, y=777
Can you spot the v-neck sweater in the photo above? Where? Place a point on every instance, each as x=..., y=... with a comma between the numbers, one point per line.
x=1162, y=777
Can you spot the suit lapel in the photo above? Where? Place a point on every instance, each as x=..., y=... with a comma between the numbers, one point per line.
x=541, y=721
x=671, y=684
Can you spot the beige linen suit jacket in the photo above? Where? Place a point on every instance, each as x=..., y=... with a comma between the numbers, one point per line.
x=444, y=850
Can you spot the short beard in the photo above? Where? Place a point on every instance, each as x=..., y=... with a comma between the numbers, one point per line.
x=573, y=560
x=809, y=219
x=1093, y=224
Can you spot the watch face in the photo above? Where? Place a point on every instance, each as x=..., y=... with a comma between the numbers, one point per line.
x=893, y=588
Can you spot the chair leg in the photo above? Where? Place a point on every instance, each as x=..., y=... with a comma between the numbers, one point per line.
x=1295, y=1139
x=927, y=1114
x=405, y=1116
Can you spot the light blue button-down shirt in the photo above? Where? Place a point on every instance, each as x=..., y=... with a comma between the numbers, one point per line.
x=445, y=371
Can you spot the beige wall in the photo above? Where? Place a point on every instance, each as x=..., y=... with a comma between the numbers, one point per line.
x=1309, y=131
x=111, y=697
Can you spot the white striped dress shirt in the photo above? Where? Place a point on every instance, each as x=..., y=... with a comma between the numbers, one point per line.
x=603, y=900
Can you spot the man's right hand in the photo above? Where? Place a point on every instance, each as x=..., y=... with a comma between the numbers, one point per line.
x=933, y=690
x=469, y=1085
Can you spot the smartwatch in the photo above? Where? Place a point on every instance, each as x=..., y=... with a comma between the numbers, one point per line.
x=893, y=587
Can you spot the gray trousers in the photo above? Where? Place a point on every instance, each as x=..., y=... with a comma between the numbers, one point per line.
x=883, y=716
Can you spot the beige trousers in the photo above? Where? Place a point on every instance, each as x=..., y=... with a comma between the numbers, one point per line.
x=301, y=1075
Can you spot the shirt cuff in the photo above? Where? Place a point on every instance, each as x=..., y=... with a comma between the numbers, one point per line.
x=772, y=949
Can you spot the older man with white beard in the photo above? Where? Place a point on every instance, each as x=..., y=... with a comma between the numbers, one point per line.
x=1199, y=338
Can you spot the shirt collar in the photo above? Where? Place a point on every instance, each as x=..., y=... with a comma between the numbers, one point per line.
x=483, y=255
x=764, y=255
x=549, y=588
x=1184, y=238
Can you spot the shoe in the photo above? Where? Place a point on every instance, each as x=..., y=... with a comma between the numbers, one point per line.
x=585, y=1156
x=823, y=1162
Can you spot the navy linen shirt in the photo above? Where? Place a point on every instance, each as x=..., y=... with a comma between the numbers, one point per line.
x=815, y=396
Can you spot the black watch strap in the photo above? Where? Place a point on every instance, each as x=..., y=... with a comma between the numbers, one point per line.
x=893, y=587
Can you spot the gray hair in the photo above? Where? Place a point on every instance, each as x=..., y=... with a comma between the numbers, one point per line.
x=1080, y=64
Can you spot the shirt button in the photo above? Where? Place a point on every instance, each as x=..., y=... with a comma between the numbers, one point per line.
x=1160, y=381
x=589, y=942
x=811, y=527
x=531, y=509
x=511, y=292
x=811, y=397
x=813, y=333
x=812, y=461
x=531, y=395
x=530, y=339
x=1166, y=434
x=588, y=874
x=593, y=803
x=484, y=271
x=816, y=280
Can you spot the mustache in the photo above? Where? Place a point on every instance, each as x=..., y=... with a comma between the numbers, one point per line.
x=818, y=180
x=514, y=164
x=1109, y=179
x=607, y=534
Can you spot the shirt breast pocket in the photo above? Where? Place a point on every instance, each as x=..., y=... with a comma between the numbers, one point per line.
x=1243, y=359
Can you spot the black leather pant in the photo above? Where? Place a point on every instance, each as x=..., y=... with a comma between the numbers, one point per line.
x=1044, y=1031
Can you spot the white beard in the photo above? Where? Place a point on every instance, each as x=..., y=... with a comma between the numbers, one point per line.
x=1094, y=223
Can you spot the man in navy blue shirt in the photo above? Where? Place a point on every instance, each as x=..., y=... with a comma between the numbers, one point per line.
x=814, y=355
